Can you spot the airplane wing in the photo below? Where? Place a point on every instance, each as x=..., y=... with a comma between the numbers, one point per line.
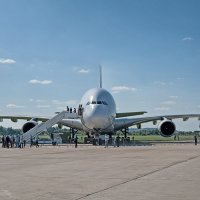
x=72, y=123
x=128, y=114
x=126, y=122
x=23, y=117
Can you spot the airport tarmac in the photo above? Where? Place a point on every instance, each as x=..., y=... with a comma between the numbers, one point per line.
x=158, y=172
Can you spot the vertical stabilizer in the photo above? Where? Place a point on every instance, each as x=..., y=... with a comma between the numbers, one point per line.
x=100, y=73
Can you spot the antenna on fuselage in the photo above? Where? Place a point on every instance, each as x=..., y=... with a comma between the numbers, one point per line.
x=100, y=76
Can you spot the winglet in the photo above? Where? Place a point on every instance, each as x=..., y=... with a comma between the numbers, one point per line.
x=100, y=76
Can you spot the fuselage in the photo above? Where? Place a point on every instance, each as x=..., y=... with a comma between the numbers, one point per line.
x=99, y=111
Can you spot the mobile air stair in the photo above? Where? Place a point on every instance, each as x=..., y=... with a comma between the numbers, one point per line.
x=35, y=131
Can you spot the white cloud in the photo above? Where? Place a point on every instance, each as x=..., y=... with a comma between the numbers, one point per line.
x=44, y=82
x=11, y=105
x=7, y=61
x=179, y=78
x=187, y=39
x=117, y=89
x=160, y=83
x=61, y=108
x=40, y=101
x=69, y=102
x=43, y=106
x=166, y=105
x=162, y=108
x=83, y=71
x=173, y=97
x=57, y=102
x=37, y=100
x=170, y=103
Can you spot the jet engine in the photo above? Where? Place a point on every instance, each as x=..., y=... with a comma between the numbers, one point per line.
x=28, y=126
x=166, y=128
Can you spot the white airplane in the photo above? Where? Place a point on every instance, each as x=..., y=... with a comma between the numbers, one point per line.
x=98, y=115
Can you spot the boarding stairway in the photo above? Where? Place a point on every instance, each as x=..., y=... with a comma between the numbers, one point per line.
x=35, y=131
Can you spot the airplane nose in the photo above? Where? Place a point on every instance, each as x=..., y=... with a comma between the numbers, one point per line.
x=97, y=119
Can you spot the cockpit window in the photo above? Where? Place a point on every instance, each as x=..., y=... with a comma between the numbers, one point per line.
x=97, y=102
x=105, y=103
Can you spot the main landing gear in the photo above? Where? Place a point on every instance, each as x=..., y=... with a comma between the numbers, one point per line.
x=125, y=131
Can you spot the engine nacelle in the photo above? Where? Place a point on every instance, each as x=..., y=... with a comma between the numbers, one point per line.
x=28, y=126
x=166, y=128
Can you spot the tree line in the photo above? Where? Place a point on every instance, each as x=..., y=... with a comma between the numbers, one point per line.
x=66, y=132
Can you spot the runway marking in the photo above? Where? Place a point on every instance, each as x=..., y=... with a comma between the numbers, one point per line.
x=141, y=176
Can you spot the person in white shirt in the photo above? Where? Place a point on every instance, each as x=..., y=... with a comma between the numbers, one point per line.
x=106, y=138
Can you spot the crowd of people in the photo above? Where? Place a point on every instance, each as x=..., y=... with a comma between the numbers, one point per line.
x=17, y=141
x=14, y=141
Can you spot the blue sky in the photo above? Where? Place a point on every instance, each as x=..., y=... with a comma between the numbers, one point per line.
x=149, y=50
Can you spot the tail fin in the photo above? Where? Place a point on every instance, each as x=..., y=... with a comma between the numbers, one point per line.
x=100, y=77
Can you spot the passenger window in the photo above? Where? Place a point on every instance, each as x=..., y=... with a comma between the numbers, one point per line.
x=98, y=102
x=94, y=102
x=104, y=103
